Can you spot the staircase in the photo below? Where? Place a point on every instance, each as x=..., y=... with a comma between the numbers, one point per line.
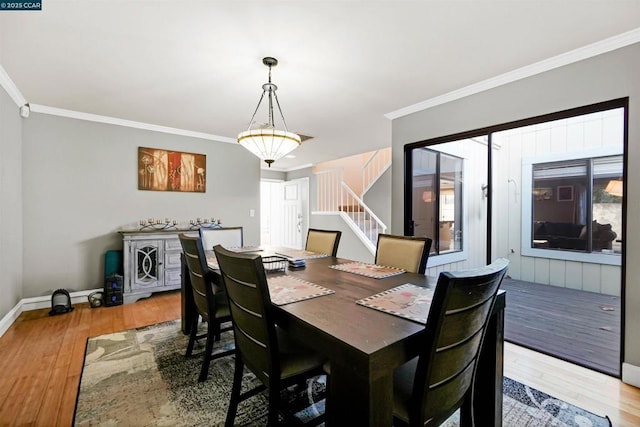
x=335, y=196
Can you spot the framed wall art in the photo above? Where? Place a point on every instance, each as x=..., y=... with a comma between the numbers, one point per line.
x=163, y=170
x=565, y=193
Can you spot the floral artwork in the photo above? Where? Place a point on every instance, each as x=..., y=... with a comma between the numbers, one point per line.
x=162, y=170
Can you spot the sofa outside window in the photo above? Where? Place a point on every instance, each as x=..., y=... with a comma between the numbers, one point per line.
x=565, y=235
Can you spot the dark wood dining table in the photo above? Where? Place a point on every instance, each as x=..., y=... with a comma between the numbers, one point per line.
x=365, y=345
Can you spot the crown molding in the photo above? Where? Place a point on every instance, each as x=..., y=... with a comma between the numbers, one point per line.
x=11, y=88
x=585, y=52
x=127, y=123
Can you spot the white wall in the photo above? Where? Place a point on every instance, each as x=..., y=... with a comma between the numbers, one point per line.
x=604, y=77
x=350, y=247
x=378, y=198
x=10, y=204
x=80, y=186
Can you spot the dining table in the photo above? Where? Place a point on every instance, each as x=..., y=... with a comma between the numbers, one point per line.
x=365, y=345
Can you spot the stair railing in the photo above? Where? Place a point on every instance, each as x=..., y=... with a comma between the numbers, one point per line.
x=362, y=217
x=376, y=165
x=335, y=196
x=329, y=189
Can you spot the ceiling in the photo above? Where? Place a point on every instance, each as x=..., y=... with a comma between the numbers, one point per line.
x=197, y=65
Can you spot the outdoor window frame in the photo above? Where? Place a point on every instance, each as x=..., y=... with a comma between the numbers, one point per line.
x=528, y=184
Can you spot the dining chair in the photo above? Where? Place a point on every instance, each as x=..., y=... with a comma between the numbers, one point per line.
x=431, y=387
x=406, y=252
x=229, y=237
x=262, y=346
x=210, y=303
x=323, y=241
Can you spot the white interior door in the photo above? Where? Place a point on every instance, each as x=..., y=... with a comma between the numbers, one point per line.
x=285, y=212
x=294, y=212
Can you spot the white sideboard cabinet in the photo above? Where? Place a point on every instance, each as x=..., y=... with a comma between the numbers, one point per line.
x=151, y=261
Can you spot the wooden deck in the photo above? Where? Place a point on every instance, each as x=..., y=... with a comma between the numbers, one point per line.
x=576, y=326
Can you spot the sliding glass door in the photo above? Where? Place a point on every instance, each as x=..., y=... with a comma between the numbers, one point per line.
x=547, y=193
x=447, y=199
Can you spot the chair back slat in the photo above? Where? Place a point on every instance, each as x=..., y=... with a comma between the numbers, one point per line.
x=458, y=319
x=461, y=325
x=451, y=361
x=443, y=395
x=246, y=287
x=198, y=271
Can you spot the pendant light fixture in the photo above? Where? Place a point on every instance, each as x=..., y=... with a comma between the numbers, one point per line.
x=267, y=142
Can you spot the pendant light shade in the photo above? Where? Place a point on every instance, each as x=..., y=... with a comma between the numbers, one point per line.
x=267, y=142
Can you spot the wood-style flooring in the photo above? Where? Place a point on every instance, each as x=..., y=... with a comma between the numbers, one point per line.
x=41, y=360
x=576, y=326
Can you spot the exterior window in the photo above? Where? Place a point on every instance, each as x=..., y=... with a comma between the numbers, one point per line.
x=577, y=205
x=437, y=199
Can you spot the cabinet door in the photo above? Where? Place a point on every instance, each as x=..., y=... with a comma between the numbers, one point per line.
x=172, y=272
x=148, y=271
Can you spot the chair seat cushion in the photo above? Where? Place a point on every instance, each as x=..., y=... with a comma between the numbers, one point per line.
x=295, y=358
x=222, y=310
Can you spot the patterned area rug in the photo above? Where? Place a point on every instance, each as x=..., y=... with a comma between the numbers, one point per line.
x=140, y=377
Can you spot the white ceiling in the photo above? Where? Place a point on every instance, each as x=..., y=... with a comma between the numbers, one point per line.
x=197, y=65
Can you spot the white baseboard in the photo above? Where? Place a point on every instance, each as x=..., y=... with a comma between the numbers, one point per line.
x=10, y=317
x=631, y=374
x=35, y=303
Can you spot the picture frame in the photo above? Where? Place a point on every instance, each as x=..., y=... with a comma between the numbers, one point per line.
x=565, y=193
x=543, y=193
x=166, y=170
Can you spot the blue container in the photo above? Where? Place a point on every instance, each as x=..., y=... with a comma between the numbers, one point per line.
x=113, y=264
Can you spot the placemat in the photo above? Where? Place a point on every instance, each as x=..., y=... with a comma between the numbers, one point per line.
x=300, y=254
x=243, y=249
x=286, y=289
x=409, y=301
x=369, y=270
x=212, y=261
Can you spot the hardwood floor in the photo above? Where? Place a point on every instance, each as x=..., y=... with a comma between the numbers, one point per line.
x=41, y=361
x=41, y=357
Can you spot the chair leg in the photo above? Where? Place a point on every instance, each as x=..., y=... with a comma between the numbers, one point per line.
x=466, y=411
x=216, y=329
x=235, y=392
x=204, y=372
x=327, y=391
x=274, y=403
x=192, y=334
